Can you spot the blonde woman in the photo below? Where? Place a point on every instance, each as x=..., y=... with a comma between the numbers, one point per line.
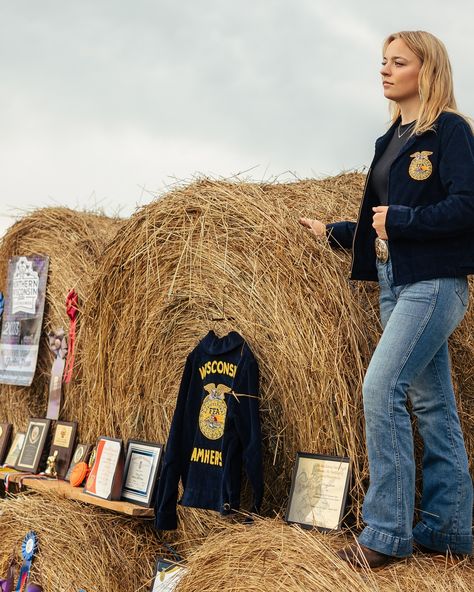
x=414, y=236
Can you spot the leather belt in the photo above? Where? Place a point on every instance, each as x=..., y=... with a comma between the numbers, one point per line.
x=381, y=250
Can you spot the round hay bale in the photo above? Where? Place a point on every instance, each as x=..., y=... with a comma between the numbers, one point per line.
x=79, y=546
x=235, y=252
x=74, y=241
x=269, y=555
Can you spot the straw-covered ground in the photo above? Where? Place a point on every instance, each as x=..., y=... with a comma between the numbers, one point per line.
x=271, y=556
x=74, y=241
x=84, y=547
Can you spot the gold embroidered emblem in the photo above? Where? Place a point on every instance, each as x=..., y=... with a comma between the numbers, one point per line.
x=213, y=411
x=420, y=167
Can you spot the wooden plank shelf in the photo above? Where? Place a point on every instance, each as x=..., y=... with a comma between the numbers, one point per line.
x=65, y=489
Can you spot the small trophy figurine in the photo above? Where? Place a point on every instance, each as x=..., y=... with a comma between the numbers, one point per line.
x=51, y=465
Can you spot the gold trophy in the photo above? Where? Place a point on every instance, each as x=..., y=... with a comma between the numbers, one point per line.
x=51, y=465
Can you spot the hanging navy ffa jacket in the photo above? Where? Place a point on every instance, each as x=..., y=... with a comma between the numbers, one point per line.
x=430, y=219
x=215, y=428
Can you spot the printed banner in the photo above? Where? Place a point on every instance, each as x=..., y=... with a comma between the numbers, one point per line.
x=22, y=319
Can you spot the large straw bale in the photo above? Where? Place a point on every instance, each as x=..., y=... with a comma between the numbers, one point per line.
x=74, y=241
x=234, y=251
x=80, y=546
x=270, y=555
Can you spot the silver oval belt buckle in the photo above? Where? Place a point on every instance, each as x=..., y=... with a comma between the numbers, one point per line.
x=381, y=250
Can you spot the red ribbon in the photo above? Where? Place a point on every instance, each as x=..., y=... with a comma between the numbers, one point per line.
x=72, y=310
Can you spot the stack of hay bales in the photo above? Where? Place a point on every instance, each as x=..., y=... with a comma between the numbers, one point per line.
x=74, y=241
x=79, y=546
x=222, y=256
x=232, y=256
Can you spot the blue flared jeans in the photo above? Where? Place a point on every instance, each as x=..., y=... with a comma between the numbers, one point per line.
x=411, y=362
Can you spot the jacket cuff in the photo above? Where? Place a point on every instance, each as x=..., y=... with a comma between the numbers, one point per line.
x=397, y=221
x=340, y=234
x=165, y=521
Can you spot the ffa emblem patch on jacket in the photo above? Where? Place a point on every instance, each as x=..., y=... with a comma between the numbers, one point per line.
x=420, y=167
x=213, y=411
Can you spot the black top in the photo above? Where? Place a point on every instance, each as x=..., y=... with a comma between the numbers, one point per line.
x=380, y=172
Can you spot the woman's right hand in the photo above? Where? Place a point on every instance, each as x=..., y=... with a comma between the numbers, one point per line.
x=317, y=228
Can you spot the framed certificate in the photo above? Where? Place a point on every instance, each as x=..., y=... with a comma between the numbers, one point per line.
x=63, y=442
x=142, y=464
x=33, y=446
x=15, y=449
x=166, y=576
x=318, y=491
x=105, y=478
x=5, y=433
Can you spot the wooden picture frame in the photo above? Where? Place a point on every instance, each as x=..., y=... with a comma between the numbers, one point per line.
x=33, y=447
x=142, y=465
x=106, y=475
x=15, y=449
x=81, y=454
x=63, y=442
x=166, y=576
x=5, y=435
x=319, y=489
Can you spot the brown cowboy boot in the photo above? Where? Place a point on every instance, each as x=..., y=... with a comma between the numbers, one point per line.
x=359, y=557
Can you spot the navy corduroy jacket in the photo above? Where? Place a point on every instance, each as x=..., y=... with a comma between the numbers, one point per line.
x=215, y=430
x=430, y=219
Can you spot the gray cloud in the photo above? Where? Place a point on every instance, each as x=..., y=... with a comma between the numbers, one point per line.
x=101, y=99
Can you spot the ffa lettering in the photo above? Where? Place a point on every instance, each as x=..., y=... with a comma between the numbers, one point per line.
x=208, y=457
x=217, y=367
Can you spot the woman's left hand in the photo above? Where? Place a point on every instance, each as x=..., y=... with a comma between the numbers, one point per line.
x=380, y=215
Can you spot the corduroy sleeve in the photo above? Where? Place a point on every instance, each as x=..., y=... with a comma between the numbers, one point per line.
x=451, y=216
x=340, y=234
x=167, y=497
x=247, y=423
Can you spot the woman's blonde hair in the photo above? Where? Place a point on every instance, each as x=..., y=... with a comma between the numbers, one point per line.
x=435, y=80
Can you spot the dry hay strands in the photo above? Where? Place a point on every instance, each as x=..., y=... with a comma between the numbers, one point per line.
x=74, y=241
x=270, y=555
x=80, y=546
x=232, y=251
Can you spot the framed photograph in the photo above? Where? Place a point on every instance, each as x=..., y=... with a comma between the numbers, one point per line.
x=63, y=442
x=15, y=449
x=105, y=478
x=81, y=454
x=319, y=491
x=142, y=464
x=167, y=575
x=5, y=433
x=33, y=446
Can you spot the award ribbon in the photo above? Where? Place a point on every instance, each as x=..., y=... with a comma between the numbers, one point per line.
x=72, y=300
x=28, y=549
x=58, y=345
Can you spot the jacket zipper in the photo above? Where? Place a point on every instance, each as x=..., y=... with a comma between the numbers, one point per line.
x=364, y=195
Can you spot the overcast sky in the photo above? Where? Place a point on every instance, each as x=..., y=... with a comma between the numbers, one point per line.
x=105, y=103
